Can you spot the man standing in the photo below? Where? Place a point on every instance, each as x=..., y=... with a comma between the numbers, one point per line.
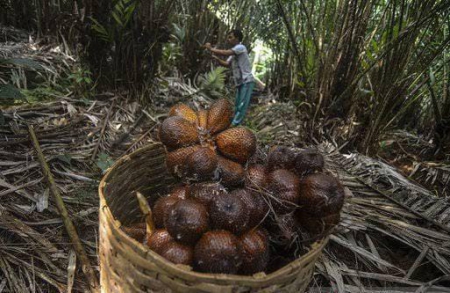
x=242, y=72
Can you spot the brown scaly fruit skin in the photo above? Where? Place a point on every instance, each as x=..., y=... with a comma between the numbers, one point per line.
x=238, y=144
x=187, y=220
x=263, y=210
x=158, y=239
x=182, y=138
x=256, y=177
x=184, y=111
x=283, y=180
x=229, y=212
x=203, y=119
x=255, y=252
x=175, y=160
x=256, y=184
x=201, y=164
x=217, y=252
x=232, y=174
x=220, y=116
x=255, y=205
x=179, y=192
x=205, y=192
x=177, y=253
x=315, y=224
x=176, y=132
x=284, y=186
x=308, y=161
x=161, y=209
x=280, y=157
x=321, y=194
x=136, y=231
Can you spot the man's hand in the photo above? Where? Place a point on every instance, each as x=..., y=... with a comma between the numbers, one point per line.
x=219, y=52
x=220, y=60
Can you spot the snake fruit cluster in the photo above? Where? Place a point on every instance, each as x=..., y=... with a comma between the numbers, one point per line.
x=202, y=146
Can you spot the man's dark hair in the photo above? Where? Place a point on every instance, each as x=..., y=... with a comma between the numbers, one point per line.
x=238, y=34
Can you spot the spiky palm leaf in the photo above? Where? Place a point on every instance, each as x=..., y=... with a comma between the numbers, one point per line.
x=9, y=93
x=25, y=63
x=213, y=82
x=10, y=76
x=22, y=62
x=101, y=31
x=121, y=13
x=179, y=33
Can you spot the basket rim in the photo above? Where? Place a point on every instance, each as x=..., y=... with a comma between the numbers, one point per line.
x=315, y=248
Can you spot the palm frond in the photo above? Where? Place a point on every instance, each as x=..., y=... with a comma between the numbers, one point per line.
x=9, y=93
x=101, y=31
x=213, y=82
x=123, y=12
x=179, y=33
x=22, y=62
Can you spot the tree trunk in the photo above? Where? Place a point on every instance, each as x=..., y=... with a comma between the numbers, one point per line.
x=291, y=37
x=38, y=18
x=45, y=16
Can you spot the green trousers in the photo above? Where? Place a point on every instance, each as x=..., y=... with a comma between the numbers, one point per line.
x=243, y=96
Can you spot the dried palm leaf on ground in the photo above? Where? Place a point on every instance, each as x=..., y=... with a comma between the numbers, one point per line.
x=277, y=123
x=24, y=65
x=70, y=228
x=69, y=131
x=385, y=180
x=173, y=90
x=414, y=156
x=433, y=174
x=369, y=214
x=11, y=34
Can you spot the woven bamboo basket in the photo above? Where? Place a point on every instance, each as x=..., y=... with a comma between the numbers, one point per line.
x=128, y=266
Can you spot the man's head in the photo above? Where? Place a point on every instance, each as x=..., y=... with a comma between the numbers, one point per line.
x=234, y=37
